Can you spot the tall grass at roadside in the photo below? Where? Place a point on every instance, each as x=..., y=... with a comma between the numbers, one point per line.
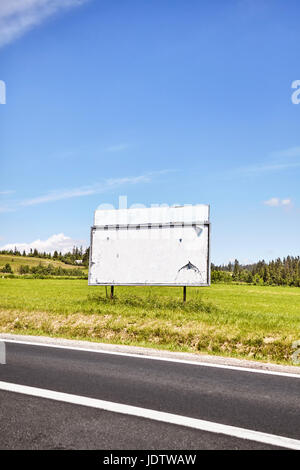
x=238, y=320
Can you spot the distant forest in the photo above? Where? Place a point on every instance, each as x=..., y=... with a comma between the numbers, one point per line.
x=77, y=257
x=72, y=257
x=279, y=272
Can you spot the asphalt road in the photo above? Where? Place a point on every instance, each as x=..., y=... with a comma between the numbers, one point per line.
x=260, y=402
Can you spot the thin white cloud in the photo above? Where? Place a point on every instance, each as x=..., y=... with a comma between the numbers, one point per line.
x=6, y=192
x=286, y=202
x=58, y=242
x=258, y=169
x=287, y=153
x=4, y=209
x=19, y=16
x=98, y=188
x=277, y=202
x=116, y=148
x=277, y=161
x=273, y=202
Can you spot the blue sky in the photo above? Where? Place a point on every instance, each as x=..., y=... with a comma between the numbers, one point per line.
x=165, y=101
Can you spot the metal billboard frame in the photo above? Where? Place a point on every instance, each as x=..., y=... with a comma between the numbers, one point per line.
x=147, y=226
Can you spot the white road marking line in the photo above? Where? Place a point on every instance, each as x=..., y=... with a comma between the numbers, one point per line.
x=209, y=426
x=158, y=358
x=2, y=352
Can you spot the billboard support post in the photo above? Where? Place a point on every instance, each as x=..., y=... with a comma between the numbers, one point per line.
x=184, y=293
x=112, y=292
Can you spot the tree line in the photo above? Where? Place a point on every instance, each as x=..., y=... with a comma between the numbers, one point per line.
x=279, y=272
x=41, y=271
x=71, y=257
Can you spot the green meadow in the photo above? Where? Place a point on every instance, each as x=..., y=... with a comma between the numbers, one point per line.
x=17, y=261
x=246, y=321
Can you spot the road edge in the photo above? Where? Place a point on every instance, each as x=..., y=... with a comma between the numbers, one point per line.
x=155, y=353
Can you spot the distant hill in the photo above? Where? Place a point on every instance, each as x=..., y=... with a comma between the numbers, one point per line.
x=17, y=261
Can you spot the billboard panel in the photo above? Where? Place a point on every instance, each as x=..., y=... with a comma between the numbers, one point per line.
x=155, y=246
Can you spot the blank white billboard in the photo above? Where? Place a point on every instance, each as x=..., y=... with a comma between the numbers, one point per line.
x=167, y=246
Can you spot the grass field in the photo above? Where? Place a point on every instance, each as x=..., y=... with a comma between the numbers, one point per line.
x=253, y=322
x=17, y=261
